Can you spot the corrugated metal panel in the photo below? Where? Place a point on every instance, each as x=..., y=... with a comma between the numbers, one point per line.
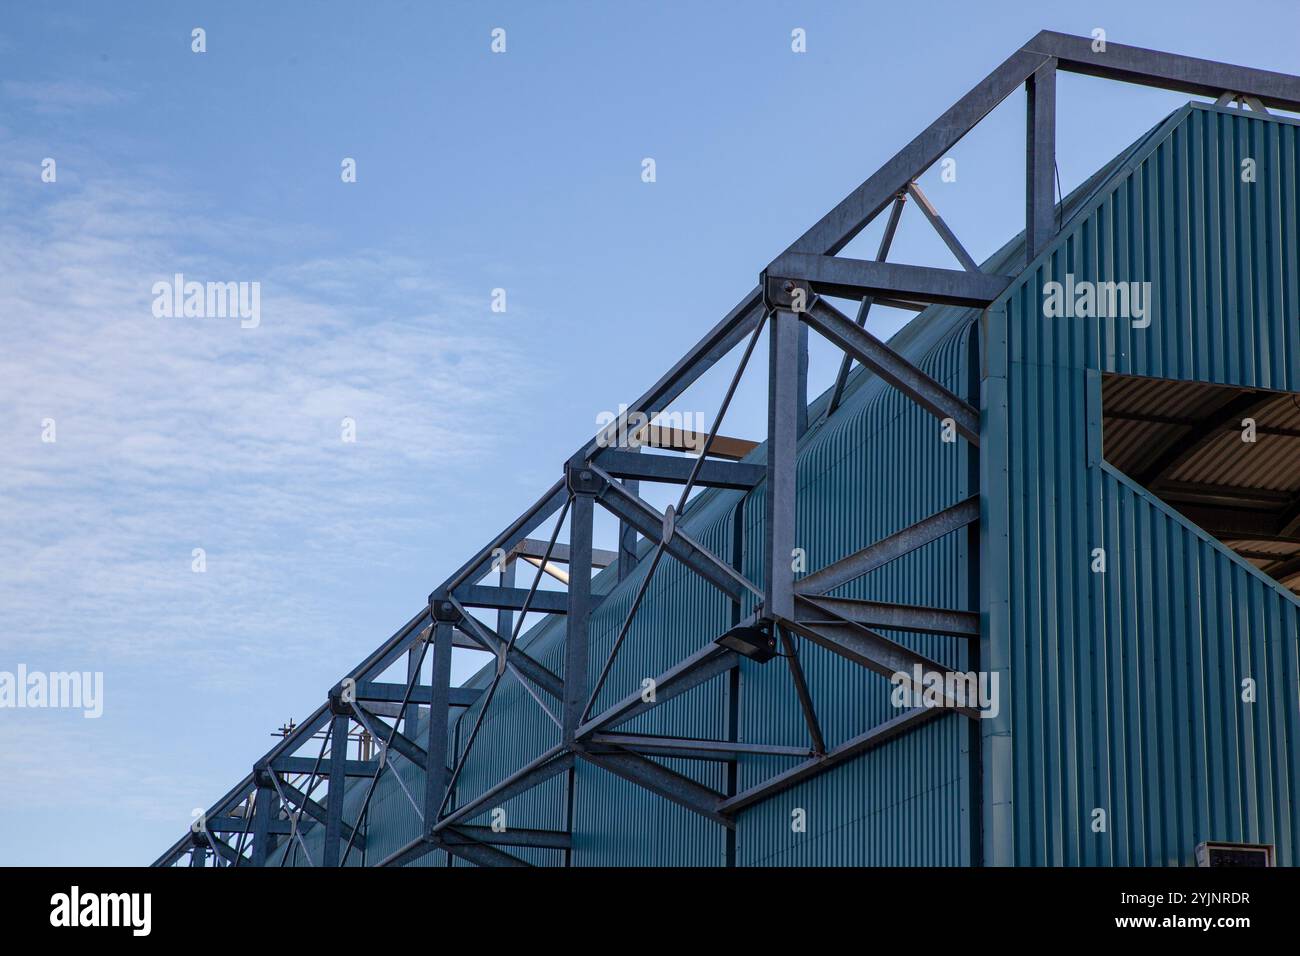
x=874, y=470
x=1118, y=690
x=1126, y=686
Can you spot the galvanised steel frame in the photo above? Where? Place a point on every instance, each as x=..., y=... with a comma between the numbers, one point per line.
x=246, y=826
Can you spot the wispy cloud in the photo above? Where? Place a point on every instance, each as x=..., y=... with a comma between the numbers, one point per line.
x=60, y=96
x=181, y=433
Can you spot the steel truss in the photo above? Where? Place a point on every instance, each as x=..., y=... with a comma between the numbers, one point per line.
x=267, y=811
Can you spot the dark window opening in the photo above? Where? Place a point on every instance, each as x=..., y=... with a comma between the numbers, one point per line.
x=1228, y=459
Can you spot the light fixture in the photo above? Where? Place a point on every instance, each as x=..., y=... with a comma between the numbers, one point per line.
x=756, y=643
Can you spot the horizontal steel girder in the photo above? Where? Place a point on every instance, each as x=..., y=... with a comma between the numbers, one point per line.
x=880, y=734
x=896, y=617
x=894, y=369
x=511, y=836
x=511, y=599
x=855, y=278
x=229, y=824
x=1169, y=71
x=368, y=691
x=692, y=748
x=888, y=549
x=677, y=470
x=478, y=853
x=307, y=765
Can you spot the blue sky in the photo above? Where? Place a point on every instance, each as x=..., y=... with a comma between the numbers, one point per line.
x=475, y=171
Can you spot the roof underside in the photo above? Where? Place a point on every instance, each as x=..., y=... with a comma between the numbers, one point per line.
x=1187, y=443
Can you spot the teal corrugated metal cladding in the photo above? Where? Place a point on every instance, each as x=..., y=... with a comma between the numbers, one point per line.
x=1119, y=691
x=1125, y=686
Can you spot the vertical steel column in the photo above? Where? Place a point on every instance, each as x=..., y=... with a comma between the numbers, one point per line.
x=1040, y=160
x=198, y=856
x=627, y=533
x=731, y=784
x=435, y=771
x=338, y=778
x=411, y=715
x=801, y=409
x=583, y=483
x=506, y=579
x=782, y=436
x=974, y=601
x=263, y=811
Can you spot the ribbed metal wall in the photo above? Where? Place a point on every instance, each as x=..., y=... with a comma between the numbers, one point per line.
x=1125, y=686
x=877, y=467
x=1118, y=691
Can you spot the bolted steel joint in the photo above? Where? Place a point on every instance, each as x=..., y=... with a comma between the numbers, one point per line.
x=583, y=480
x=790, y=295
x=442, y=609
x=339, y=706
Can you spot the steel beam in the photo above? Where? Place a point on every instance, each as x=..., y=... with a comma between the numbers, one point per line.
x=838, y=227
x=532, y=548
x=692, y=748
x=578, y=622
x=537, y=771
x=702, y=666
x=321, y=814
x=338, y=779
x=435, y=771
x=879, y=654
x=229, y=824
x=892, y=617
x=945, y=233
x=399, y=742
x=894, y=369
x=516, y=659
x=519, y=529
x=1040, y=160
x=651, y=523
x=658, y=779
x=675, y=470
x=855, y=278
x=478, y=853
x=1168, y=71
x=864, y=308
x=264, y=806
x=493, y=597
x=1239, y=524
x=420, y=694
x=716, y=343
x=511, y=836
x=782, y=440
x=888, y=549
x=873, y=738
x=1177, y=452
x=802, y=691
x=1284, y=571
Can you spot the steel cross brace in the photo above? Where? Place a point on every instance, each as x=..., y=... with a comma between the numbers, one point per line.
x=807, y=261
